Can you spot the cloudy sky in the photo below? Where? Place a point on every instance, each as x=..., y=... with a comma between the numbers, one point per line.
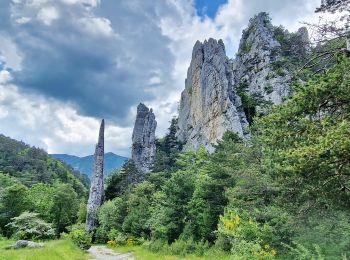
x=65, y=64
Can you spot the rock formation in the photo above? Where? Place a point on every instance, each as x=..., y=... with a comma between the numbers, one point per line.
x=265, y=56
x=96, y=189
x=209, y=104
x=143, y=139
x=219, y=91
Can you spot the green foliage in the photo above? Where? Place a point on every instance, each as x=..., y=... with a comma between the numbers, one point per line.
x=65, y=207
x=82, y=212
x=32, y=165
x=13, y=201
x=40, y=197
x=80, y=236
x=111, y=216
x=138, y=210
x=305, y=140
x=29, y=226
x=120, y=182
x=170, y=207
x=168, y=149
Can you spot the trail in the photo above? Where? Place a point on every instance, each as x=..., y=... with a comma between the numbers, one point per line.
x=104, y=253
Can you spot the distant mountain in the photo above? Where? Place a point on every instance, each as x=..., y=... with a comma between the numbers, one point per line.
x=84, y=164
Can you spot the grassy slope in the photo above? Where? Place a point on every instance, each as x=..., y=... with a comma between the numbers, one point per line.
x=53, y=250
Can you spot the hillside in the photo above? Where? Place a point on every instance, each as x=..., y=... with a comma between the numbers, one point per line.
x=84, y=164
x=31, y=165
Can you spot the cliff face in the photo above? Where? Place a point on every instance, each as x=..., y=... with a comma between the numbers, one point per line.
x=265, y=56
x=143, y=139
x=97, y=188
x=219, y=91
x=209, y=104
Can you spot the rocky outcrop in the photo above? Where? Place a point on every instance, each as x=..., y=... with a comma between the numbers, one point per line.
x=143, y=139
x=223, y=94
x=25, y=244
x=265, y=57
x=96, y=189
x=209, y=104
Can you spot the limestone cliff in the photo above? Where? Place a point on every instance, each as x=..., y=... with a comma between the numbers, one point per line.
x=209, y=104
x=96, y=189
x=265, y=59
x=224, y=94
x=143, y=139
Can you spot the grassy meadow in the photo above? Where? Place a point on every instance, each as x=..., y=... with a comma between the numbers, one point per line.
x=53, y=250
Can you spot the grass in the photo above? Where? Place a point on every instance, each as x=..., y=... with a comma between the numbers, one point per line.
x=53, y=250
x=141, y=253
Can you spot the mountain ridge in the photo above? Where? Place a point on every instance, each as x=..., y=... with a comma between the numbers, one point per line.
x=84, y=163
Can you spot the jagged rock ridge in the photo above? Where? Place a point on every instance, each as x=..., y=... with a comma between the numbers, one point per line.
x=97, y=188
x=209, y=104
x=143, y=139
x=218, y=90
x=262, y=66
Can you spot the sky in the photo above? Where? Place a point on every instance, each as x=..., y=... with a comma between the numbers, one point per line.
x=66, y=64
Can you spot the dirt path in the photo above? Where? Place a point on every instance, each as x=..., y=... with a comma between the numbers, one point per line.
x=104, y=253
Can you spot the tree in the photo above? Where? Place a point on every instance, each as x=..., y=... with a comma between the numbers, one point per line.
x=138, y=210
x=65, y=207
x=40, y=197
x=111, y=215
x=167, y=149
x=306, y=140
x=13, y=201
x=170, y=206
x=29, y=226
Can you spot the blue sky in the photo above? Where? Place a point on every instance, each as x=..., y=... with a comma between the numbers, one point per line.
x=208, y=7
x=65, y=64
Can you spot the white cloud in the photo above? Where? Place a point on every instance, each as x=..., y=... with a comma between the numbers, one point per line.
x=23, y=20
x=48, y=14
x=5, y=76
x=11, y=56
x=55, y=126
x=92, y=3
x=97, y=26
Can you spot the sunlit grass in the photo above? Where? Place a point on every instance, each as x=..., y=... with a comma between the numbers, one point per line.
x=53, y=250
x=141, y=253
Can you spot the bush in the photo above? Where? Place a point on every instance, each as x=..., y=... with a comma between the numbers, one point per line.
x=29, y=226
x=80, y=236
x=156, y=245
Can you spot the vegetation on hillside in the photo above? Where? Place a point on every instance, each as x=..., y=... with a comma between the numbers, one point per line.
x=39, y=196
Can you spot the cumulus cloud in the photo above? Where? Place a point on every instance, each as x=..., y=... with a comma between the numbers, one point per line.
x=55, y=126
x=68, y=63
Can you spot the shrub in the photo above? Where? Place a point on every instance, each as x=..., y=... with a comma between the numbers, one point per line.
x=111, y=243
x=29, y=226
x=80, y=236
x=157, y=245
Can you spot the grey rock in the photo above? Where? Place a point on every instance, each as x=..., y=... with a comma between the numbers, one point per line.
x=143, y=139
x=96, y=189
x=209, y=104
x=253, y=66
x=262, y=66
x=26, y=244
